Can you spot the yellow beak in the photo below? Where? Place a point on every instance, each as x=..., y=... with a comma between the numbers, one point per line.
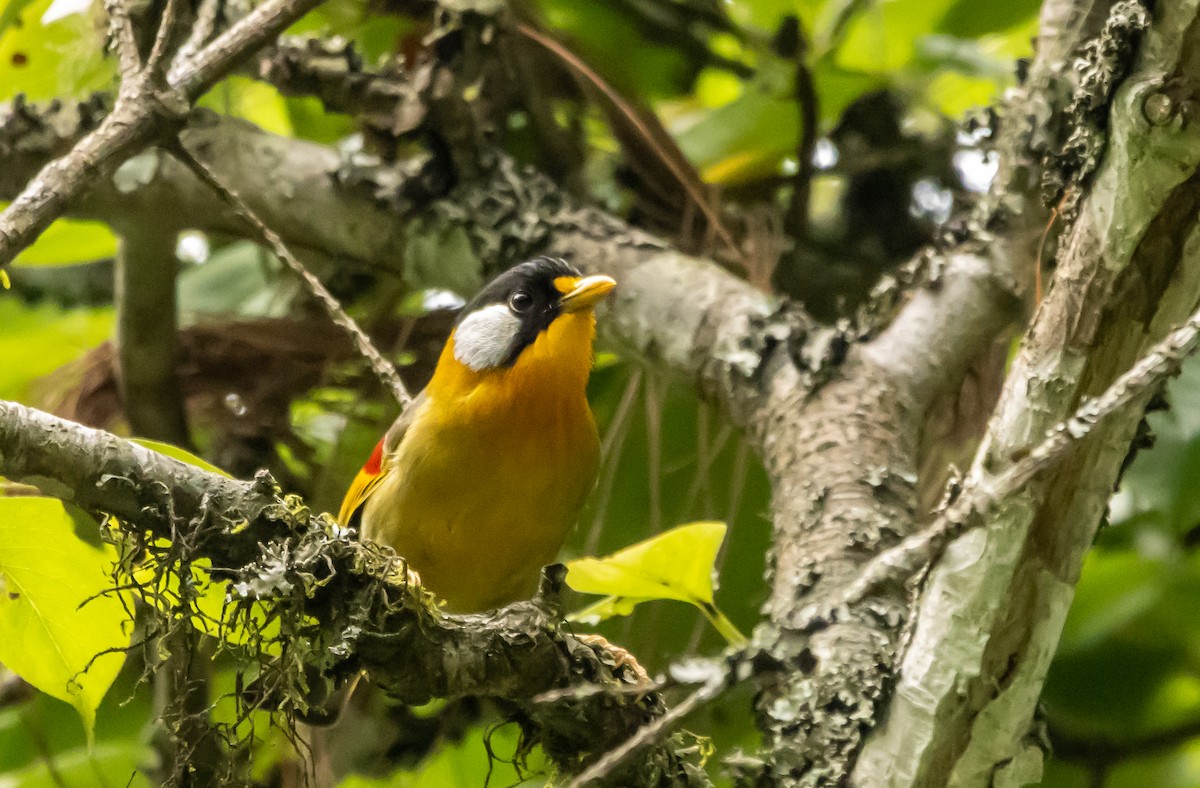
x=587, y=292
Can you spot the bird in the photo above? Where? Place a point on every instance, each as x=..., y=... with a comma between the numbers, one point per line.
x=478, y=482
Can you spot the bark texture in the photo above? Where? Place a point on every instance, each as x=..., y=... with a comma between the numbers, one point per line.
x=993, y=608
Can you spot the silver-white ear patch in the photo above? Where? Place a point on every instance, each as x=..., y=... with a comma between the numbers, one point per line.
x=485, y=338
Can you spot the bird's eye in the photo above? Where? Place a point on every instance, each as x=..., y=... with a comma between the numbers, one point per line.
x=520, y=301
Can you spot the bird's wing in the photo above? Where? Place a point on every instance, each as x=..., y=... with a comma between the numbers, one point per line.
x=376, y=467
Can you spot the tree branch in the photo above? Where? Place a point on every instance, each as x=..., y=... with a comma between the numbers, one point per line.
x=383, y=368
x=844, y=454
x=142, y=112
x=266, y=545
x=995, y=604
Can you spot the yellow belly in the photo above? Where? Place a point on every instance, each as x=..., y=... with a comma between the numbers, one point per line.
x=478, y=500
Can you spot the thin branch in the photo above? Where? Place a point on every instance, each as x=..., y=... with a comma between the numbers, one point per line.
x=613, y=760
x=672, y=160
x=981, y=493
x=120, y=28
x=142, y=113
x=202, y=30
x=162, y=39
x=383, y=368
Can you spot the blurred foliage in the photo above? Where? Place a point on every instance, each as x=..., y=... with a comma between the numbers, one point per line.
x=892, y=79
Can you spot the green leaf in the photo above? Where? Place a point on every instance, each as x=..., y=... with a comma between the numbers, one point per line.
x=882, y=39
x=250, y=100
x=12, y=13
x=1116, y=588
x=971, y=19
x=237, y=280
x=677, y=564
x=62, y=59
x=55, y=621
x=745, y=139
x=69, y=242
x=176, y=453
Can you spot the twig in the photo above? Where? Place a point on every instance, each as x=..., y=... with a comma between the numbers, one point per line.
x=673, y=161
x=646, y=734
x=841, y=22
x=120, y=28
x=162, y=39
x=382, y=367
x=980, y=494
x=142, y=113
x=202, y=30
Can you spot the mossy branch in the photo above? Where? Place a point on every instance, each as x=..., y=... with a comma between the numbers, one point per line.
x=347, y=606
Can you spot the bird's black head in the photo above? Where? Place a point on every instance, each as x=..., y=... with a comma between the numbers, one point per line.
x=514, y=308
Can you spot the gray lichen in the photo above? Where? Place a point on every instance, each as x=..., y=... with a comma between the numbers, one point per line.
x=1099, y=68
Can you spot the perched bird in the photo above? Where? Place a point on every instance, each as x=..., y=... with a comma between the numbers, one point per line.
x=477, y=483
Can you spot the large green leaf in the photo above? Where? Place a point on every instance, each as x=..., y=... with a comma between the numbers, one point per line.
x=676, y=564
x=745, y=139
x=882, y=39
x=11, y=13
x=56, y=619
x=970, y=18
x=62, y=59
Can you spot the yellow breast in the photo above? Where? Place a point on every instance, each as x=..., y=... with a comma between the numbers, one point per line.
x=490, y=476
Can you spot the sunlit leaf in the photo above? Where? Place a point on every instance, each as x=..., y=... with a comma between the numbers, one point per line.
x=883, y=37
x=69, y=242
x=11, y=13
x=250, y=100
x=56, y=622
x=676, y=564
x=747, y=138
x=62, y=59
x=971, y=19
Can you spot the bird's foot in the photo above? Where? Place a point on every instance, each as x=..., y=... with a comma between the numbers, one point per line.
x=622, y=663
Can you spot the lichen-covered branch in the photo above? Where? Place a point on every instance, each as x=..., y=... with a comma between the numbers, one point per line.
x=993, y=608
x=364, y=613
